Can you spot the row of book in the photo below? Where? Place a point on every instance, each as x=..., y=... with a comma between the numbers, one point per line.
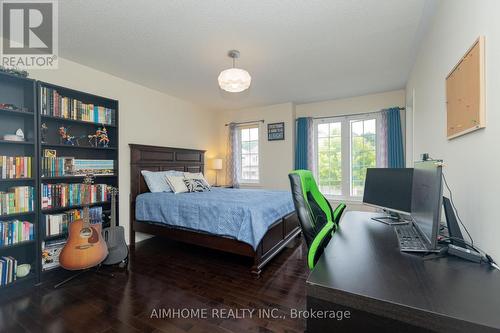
x=13, y=232
x=57, y=224
x=19, y=199
x=56, y=105
x=15, y=167
x=64, y=195
x=8, y=270
x=69, y=166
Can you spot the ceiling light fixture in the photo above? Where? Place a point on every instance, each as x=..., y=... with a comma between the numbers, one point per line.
x=234, y=79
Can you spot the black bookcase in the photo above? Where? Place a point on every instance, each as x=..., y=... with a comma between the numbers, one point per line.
x=20, y=93
x=82, y=150
x=25, y=95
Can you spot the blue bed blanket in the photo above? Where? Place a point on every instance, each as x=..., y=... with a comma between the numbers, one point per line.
x=243, y=214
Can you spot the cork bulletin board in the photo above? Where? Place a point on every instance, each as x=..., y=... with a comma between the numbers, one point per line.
x=465, y=100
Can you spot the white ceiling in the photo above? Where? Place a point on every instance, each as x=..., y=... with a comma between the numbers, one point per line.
x=296, y=50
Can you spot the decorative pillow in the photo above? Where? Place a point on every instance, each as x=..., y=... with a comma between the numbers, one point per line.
x=156, y=179
x=198, y=176
x=176, y=183
x=196, y=185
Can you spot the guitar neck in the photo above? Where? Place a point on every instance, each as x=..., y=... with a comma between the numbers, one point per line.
x=113, y=211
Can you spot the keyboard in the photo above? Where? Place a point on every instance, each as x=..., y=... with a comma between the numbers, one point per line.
x=409, y=238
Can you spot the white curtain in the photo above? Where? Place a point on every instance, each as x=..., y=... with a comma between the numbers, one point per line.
x=311, y=156
x=233, y=163
x=382, y=161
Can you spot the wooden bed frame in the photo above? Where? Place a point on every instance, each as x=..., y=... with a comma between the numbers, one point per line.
x=155, y=158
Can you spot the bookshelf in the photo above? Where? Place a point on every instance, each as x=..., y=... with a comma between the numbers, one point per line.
x=77, y=111
x=18, y=111
x=23, y=106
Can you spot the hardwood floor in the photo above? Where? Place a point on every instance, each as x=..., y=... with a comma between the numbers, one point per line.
x=167, y=275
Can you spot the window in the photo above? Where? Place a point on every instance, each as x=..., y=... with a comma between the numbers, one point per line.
x=345, y=147
x=249, y=138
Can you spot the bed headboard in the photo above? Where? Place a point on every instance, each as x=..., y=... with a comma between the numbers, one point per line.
x=154, y=158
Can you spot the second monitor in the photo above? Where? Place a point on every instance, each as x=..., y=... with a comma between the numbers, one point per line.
x=391, y=190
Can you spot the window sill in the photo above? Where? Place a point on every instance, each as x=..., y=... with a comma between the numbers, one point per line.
x=345, y=200
x=250, y=185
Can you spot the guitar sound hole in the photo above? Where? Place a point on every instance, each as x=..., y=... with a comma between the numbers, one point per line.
x=85, y=232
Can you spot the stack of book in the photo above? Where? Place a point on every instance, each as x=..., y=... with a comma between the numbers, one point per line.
x=57, y=224
x=55, y=105
x=69, y=166
x=15, y=167
x=50, y=253
x=8, y=270
x=18, y=199
x=13, y=232
x=64, y=195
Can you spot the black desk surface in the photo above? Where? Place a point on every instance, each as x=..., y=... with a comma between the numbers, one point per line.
x=362, y=268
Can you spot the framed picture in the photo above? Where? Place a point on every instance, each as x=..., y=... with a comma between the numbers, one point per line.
x=49, y=153
x=276, y=131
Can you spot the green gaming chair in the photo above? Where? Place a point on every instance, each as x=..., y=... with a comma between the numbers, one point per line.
x=317, y=219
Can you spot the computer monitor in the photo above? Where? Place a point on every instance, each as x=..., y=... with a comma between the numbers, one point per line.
x=427, y=199
x=389, y=188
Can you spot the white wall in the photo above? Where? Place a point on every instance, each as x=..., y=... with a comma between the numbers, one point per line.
x=472, y=161
x=276, y=157
x=352, y=105
x=146, y=117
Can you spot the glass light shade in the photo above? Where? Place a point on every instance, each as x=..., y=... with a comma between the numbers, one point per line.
x=216, y=164
x=234, y=80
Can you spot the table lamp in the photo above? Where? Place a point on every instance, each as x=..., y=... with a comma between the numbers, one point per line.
x=216, y=165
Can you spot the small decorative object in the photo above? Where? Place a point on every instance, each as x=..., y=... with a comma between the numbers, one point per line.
x=44, y=130
x=100, y=138
x=49, y=153
x=65, y=138
x=14, y=71
x=19, y=136
x=276, y=131
x=23, y=270
x=12, y=107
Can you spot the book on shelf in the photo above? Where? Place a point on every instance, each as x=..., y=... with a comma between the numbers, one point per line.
x=19, y=199
x=56, y=105
x=13, y=232
x=65, y=195
x=8, y=270
x=14, y=167
x=50, y=253
x=57, y=224
x=70, y=166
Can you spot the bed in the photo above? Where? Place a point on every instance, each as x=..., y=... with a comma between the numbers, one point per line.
x=253, y=223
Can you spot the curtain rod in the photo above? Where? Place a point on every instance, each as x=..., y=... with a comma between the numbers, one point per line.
x=246, y=122
x=353, y=114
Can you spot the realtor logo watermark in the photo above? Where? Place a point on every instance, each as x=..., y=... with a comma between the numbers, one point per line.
x=29, y=34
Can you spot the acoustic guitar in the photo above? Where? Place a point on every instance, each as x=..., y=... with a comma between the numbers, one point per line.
x=85, y=247
x=114, y=236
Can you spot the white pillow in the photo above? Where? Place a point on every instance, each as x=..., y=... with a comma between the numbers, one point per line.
x=176, y=183
x=156, y=179
x=197, y=175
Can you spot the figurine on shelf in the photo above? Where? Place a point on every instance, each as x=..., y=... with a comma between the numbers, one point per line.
x=65, y=138
x=43, y=132
x=100, y=138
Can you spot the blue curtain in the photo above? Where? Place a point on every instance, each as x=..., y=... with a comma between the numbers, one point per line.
x=395, y=151
x=301, y=148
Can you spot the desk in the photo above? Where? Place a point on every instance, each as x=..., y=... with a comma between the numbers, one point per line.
x=385, y=290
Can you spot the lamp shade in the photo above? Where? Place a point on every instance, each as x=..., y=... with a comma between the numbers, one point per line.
x=216, y=164
x=234, y=80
